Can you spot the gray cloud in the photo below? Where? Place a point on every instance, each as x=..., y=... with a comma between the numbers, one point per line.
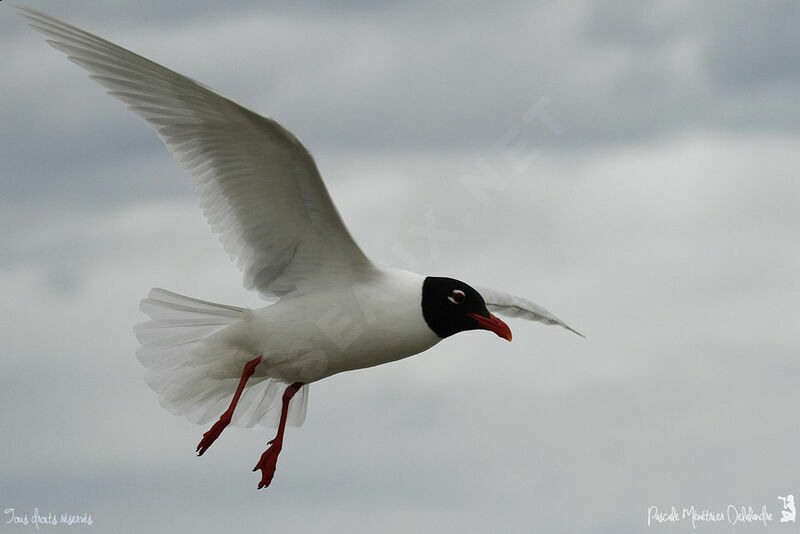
x=416, y=76
x=661, y=222
x=751, y=49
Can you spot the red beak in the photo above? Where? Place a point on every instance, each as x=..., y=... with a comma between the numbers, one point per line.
x=494, y=324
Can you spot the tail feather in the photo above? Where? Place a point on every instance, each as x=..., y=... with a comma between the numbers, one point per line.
x=177, y=324
x=163, y=304
x=194, y=376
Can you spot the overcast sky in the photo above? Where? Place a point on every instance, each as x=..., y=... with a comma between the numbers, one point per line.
x=631, y=166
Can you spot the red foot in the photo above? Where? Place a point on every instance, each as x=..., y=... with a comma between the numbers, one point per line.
x=210, y=436
x=225, y=419
x=269, y=460
x=268, y=463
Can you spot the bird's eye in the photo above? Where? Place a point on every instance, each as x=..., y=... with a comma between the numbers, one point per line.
x=457, y=297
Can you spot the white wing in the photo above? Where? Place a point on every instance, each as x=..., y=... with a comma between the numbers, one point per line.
x=513, y=306
x=258, y=185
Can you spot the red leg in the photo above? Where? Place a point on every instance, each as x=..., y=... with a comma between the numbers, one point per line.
x=269, y=460
x=225, y=419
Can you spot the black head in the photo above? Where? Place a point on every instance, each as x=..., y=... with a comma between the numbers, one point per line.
x=450, y=306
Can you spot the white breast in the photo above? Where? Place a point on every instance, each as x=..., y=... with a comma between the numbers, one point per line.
x=310, y=337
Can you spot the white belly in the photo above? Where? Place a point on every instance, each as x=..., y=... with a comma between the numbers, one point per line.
x=308, y=338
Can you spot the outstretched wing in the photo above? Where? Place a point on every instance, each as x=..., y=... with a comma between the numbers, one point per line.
x=513, y=306
x=258, y=185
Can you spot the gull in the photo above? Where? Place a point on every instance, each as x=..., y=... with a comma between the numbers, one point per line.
x=261, y=191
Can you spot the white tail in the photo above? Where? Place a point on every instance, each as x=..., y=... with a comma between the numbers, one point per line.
x=195, y=377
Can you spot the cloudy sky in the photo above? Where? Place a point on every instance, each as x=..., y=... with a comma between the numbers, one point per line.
x=630, y=166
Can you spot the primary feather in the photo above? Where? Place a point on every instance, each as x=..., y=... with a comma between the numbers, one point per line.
x=258, y=185
x=518, y=307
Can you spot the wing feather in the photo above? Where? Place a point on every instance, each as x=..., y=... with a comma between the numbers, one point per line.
x=259, y=187
x=513, y=306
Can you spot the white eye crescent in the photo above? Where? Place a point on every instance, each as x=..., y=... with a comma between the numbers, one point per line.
x=457, y=297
